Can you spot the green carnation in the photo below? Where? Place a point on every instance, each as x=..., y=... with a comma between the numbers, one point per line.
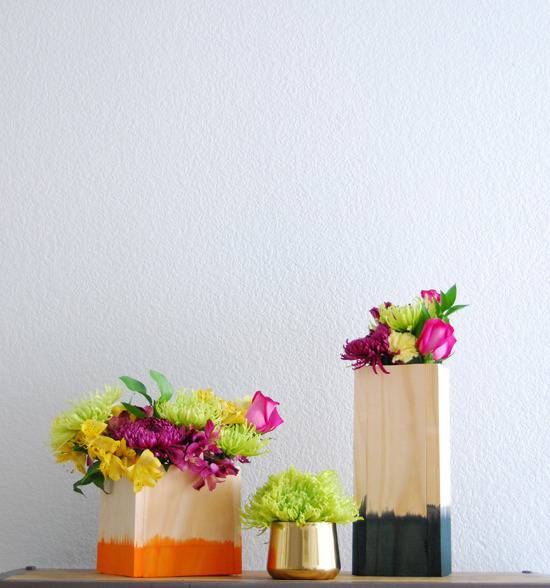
x=301, y=498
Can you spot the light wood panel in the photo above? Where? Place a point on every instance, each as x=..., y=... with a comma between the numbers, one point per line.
x=51, y=578
x=401, y=437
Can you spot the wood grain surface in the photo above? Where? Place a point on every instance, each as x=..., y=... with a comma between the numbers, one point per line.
x=73, y=578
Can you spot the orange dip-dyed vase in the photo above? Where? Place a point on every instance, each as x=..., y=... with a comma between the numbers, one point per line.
x=171, y=529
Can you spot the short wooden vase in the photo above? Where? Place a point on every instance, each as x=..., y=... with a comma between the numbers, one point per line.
x=171, y=529
x=402, y=472
x=303, y=552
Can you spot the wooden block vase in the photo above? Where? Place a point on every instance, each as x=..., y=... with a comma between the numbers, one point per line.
x=171, y=529
x=402, y=472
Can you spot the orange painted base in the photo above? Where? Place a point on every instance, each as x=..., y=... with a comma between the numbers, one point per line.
x=164, y=557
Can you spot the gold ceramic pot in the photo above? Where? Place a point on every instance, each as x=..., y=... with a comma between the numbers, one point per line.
x=306, y=552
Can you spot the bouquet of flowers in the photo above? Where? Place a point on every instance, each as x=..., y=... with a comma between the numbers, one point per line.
x=419, y=332
x=301, y=498
x=193, y=430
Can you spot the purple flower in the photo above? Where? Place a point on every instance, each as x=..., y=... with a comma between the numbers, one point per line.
x=198, y=453
x=186, y=448
x=371, y=350
x=151, y=433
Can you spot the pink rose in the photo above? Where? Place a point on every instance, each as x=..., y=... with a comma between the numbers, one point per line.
x=436, y=338
x=263, y=414
x=430, y=295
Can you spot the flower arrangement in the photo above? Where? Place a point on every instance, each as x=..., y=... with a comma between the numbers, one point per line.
x=301, y=498
x=419, y=332
x=193, y=430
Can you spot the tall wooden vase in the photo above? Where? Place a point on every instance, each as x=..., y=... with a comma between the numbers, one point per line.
x=171, y=529
x=402, y=472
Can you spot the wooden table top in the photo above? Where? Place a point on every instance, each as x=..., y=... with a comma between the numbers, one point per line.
x=72, y=578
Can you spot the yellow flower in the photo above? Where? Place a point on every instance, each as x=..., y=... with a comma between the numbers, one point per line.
x=232, y=414
x=205, y=395
x=66, y=453
x=116, y=410
x=90, y=430
x=112, y=467
x=128, y=455
x=404, y=346
x=243, y=403
x=401, y=318
x=146, y=471
x=102, y=446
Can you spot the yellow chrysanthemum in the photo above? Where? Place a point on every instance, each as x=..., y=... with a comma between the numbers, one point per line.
x=403, y=345
x=146, y=471
x=67, y=453
x=401, y=318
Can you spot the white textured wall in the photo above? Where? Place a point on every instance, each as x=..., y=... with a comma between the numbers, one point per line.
x=220, y=190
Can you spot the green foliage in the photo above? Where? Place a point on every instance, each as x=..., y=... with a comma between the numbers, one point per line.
x=241, y=439
x=135, y=410
x=442, y=309
x=136, y=386
x=192, y=407
x=92, y=476
x=300, y=497
x=165, y=388
x=423, y=318
x=97, y=407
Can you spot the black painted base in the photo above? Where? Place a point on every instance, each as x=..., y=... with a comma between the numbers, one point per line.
x=411, y=545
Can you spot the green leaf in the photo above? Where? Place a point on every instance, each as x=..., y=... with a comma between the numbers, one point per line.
x=164, y=385
x=450, y=295
x=455, y=308
x=425, y=316
x=443, y=303
x=136, y=386
x=135, y=410
x=90, y=477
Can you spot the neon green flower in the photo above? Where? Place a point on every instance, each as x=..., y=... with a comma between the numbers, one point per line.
x=241, y=439
x=300, y=497
x=403, y=345
x=401, y=318
x=97, y=408
x=192, y=407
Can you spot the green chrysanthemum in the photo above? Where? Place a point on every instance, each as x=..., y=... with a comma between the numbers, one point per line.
x=241, y=439
x=97, y=407
x=298, y=497
x=401, y=318
x=192, y=407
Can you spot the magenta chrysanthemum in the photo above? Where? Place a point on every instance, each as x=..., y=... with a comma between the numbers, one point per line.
x=151, y=433
x=371, y=350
